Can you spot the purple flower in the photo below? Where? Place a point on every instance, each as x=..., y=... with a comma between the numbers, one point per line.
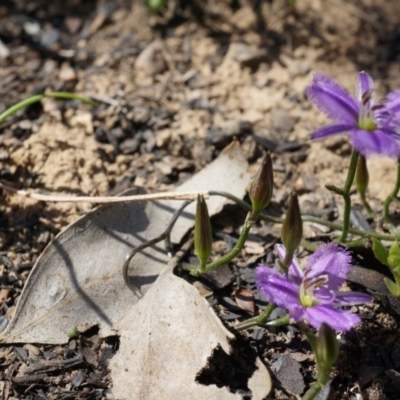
x=371, y=125
x=312, y=295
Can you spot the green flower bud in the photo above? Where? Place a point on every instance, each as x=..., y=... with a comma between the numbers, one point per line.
x=202, y=232
x=292, y=229
x=260, y=192
x=326, y=348
x=362, y=176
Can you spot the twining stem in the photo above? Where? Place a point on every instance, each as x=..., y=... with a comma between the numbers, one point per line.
x=163, y=236
x=258, y=320
x=34, y=99
x=392, y=196
x=186, y=196
x=346, y=195
x=305, y=218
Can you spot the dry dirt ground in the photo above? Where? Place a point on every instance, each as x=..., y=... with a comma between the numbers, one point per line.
x=173, y=89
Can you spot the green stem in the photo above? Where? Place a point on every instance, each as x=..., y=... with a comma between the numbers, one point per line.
x=366, y=205
x=305, y=218
x=346, y=195
x=322, y=377
x=34, y=99
x=308, y=245
x=256, y=321
x=363, y=242
x=231, y=254
x=313, y=391
x=392, y=196
x=285, y=320
x=354, y=231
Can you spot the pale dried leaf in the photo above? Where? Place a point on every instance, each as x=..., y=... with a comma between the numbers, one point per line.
x=227, y=173
x=77, y=281
x=165, y=342
x=260, y=383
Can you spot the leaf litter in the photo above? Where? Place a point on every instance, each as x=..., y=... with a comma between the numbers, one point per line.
x=77, y=281
x=230, y=89
x=167, y=339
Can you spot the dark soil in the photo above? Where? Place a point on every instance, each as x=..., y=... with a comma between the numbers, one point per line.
x=173, y=89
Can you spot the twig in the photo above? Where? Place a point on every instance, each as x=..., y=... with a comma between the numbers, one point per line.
x=190, y=195
x=46, y=366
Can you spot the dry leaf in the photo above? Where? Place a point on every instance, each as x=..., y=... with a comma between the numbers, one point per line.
x=165, y=342
x=77, y=281
x=244, y=299
x=260, y=383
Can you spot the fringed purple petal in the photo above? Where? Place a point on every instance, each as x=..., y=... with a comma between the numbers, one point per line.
x=295, y=271
x=330, y=130
x=324, y=295
x=283, y=290
x=336, y=319
x=376, y=142
x=365, y=89
x=351, y=299
x=333, y=100
x=276, y=287
x=390, y=132
x=332, y=260
x=392, y=102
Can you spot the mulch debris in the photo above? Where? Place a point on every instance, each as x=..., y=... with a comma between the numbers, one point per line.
x=172, y=90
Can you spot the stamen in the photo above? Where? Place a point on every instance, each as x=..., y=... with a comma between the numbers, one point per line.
x=377, y=106
x=315, y=282
x=366, y=97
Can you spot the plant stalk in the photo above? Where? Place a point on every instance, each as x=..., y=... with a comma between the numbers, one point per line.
x=392, y=196
x=256, y=321
x=34, y=99
x=346, y=195
x=249, y=222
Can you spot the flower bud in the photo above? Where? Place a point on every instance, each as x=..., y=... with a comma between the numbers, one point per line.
x=202, y=232
x=292, y=229
x=260, y=192
x=362, y=176
x=326, y=348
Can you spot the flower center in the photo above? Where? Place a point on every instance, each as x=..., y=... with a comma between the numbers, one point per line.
x=307, y=287
x=366, y=119
x=367, y=123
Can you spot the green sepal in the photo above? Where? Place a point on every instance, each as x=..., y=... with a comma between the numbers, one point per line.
x=326, y=348
x=362, y=176
x=202, y=232
x=292, y=229
x=260, y=191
